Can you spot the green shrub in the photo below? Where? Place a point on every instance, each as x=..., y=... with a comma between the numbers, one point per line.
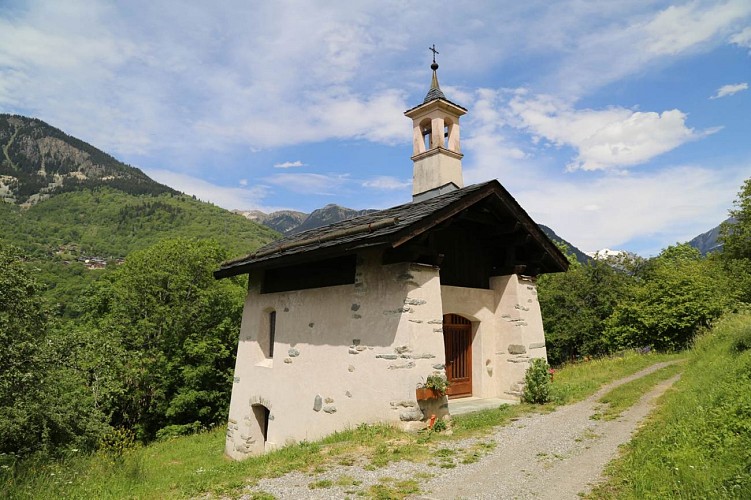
x=537, y=382
x=440, y=425
x=173, y=431
x=117, y=443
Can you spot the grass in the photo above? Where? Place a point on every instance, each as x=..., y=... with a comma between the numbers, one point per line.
x=698, y=442
x=390, y=489
x=623, y=397
x=195, y=465
x=322, y=483
x=574, y=382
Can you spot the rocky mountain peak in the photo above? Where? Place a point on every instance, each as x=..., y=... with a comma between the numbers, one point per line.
x=39, y=161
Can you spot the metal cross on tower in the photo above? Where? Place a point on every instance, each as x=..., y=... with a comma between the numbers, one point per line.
x=432, y=49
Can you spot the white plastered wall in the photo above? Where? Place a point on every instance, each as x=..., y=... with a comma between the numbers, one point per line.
x=343, y=355
x=507, y=332
x=521, y=336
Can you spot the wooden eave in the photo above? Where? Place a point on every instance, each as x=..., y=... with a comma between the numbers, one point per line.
x=411, y=220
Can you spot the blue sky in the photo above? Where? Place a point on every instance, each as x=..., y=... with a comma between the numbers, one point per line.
x=619, y=124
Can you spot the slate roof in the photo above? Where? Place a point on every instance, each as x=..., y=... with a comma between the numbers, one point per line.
x=434, y=93
x=390, y=227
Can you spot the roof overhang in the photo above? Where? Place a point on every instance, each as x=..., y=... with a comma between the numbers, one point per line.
x=443, y=104
x=395, y=227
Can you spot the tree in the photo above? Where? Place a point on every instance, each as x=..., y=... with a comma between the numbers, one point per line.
x=575, y=305
x=736, y=238
x=678, y=293
x=44, y=405
x=179, y=329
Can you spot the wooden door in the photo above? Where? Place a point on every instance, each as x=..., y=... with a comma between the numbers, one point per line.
x=457, y=341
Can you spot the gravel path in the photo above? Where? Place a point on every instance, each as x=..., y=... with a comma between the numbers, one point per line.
x=556, y=455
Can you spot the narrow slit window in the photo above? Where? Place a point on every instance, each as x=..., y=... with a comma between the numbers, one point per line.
x=272, y=333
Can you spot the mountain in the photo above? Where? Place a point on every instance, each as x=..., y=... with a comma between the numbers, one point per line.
x=606, y=253
x=292, y=222
x=39, y=161
x=580, y=256
x=709, y=241
x=328, y=215
x=62, y=196
x=282, y=221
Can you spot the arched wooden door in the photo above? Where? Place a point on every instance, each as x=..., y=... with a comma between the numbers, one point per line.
x=457, y=342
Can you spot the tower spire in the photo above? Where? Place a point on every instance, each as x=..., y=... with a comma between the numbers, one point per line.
x=436, y=152
x=435, y=89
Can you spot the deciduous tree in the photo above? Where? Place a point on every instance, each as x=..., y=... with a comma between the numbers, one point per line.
x=679, y=293
x=179, y=329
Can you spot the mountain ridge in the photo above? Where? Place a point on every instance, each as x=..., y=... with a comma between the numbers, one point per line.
x=39, y=161
x=709, y=241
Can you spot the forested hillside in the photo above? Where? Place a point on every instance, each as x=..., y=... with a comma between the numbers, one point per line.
x=72, y=209
x=109, y=223
x=112, y=325
x=70, y=237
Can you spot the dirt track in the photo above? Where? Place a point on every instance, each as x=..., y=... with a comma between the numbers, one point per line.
x=556, y=455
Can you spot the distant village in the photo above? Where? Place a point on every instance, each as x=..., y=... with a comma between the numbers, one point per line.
x=67, y=254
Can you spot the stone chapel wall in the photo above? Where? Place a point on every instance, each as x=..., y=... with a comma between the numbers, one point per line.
x=343, y=355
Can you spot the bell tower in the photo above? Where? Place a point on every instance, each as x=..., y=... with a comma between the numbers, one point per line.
x=436, y=151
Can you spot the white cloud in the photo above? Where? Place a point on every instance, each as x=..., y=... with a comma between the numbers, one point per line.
x=594, y=210
x=227, y=197
x=681, y=27
x=243, y=182
x=268, y=75
x=387, y=183
x=289, y=164
x=743, y=38
x=628, y=38
x=730, y=89
x=305, y=183
x=275, y=74
x=611, y=138
x=608, y=211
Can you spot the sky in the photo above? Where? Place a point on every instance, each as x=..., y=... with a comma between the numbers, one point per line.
x=619, y=124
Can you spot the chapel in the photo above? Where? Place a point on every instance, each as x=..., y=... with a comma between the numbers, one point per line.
x=341, y=324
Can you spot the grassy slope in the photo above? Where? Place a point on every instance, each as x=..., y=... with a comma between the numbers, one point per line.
x=192, y=465
x=698, y=443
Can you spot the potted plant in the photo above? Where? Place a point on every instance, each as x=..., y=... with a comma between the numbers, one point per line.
x=434, y=387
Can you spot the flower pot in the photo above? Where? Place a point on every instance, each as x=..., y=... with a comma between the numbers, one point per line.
x=424, y=393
